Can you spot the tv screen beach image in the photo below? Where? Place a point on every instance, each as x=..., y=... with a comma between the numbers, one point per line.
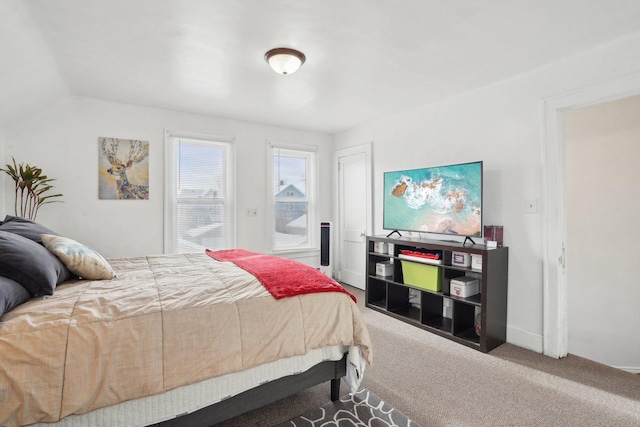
x=446, y=200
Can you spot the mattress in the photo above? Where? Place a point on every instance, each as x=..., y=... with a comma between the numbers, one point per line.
x=190, y=398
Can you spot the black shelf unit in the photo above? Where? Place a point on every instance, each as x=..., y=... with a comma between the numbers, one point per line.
x=391, y=296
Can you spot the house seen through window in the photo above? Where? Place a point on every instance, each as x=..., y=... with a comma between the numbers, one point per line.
x=294, y=194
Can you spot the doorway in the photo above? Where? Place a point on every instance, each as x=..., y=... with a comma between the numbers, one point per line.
x=555, y=288
x=354, y=213
x=602, y=151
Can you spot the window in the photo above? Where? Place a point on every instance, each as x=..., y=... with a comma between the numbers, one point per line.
x=293, y=188
x=199, y=203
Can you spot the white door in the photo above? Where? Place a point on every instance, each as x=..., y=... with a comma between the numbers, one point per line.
x=354, y=213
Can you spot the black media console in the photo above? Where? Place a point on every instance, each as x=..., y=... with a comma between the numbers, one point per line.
x=478, y=321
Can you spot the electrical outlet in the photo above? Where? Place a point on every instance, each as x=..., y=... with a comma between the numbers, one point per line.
x=252, y=211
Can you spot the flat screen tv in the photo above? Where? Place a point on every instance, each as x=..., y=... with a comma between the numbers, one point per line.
x=441, y=200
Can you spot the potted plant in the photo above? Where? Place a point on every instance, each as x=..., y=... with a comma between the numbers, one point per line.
x=31, y=186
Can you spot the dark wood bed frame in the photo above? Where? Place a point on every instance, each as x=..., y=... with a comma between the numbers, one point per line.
x=264, y=394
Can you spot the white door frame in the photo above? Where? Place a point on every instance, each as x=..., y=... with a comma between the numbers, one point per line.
x=555, y=314
x=350, y=151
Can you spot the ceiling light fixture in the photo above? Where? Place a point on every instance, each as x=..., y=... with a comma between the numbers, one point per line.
x=284, y=60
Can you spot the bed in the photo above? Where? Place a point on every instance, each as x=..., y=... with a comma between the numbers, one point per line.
x=172, y=340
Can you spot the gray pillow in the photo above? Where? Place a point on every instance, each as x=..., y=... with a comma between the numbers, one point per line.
x=30, y=264
x=12, y=294
x=25, y=228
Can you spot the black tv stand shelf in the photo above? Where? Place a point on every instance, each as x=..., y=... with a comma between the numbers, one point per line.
x=442, y=312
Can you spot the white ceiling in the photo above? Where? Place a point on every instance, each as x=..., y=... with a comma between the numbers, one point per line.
x=366, y=59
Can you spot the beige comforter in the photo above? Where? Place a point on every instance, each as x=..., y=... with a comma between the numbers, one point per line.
x=166, y=321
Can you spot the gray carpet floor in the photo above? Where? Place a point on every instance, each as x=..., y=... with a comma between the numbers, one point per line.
x=437, y=382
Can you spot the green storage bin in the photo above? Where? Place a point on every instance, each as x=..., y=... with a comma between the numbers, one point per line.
x=422, y=276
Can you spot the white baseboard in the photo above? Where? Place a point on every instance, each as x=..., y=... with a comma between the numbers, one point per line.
x=534, y=342
x=525, y=339
x=632, y=370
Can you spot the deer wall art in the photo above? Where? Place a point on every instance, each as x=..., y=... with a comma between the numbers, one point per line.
x=124, y=169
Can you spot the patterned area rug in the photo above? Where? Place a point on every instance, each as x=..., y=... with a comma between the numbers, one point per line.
x=360, y=409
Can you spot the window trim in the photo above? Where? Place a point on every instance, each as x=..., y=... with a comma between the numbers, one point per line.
x=313, y=211
x=169, y=196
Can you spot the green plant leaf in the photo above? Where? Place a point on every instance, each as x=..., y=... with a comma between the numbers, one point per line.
x=30, y=187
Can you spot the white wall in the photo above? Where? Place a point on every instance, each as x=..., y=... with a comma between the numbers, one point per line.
x=602, y=208
x=63, y=141
x=502, y=125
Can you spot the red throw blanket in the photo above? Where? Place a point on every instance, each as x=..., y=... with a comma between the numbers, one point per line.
x=281, y=276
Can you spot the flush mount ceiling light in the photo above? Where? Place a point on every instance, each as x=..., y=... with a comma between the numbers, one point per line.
x=284, y=60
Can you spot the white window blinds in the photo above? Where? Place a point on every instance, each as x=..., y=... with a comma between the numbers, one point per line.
x=199, y=190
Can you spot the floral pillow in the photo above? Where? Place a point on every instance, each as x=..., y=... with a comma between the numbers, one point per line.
x=78, y=258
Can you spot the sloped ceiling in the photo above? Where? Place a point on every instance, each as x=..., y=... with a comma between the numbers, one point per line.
x=366, y=59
